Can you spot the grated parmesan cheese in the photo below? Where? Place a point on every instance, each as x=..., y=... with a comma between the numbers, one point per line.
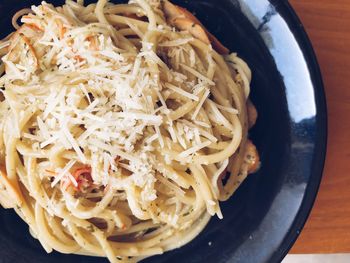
x=182, y=92
x=200, y=104
x=63, y=172
x=197, y=74
x=194, y=149
x=108, y=106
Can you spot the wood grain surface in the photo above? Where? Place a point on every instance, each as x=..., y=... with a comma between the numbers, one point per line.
x=328, y=25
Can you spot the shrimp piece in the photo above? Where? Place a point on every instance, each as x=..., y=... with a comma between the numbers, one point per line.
x=20, y=41
x=252, y=114
x=10, y=196
x=194, y=29
x=83, y=177
x=252, y=158
x=182, y=19
x=251, y=162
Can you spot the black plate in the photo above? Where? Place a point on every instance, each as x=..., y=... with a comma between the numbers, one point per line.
x=263, y=219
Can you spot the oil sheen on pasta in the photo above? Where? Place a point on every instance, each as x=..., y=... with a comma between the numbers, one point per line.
x=122, y=126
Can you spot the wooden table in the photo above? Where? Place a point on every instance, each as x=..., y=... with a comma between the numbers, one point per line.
x=328, y=25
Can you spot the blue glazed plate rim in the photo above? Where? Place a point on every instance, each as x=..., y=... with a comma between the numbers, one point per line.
x=320, y=150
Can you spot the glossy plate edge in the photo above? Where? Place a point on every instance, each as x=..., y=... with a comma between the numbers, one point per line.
x=319, y=157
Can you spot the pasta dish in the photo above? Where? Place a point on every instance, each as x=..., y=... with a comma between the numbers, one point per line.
x=122, y=126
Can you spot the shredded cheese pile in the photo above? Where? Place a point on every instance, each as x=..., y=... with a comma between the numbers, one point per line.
x=99, y=100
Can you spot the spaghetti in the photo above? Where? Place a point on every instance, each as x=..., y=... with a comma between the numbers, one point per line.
x=118, y=125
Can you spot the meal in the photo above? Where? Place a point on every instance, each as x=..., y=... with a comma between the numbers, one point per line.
x=122, y=126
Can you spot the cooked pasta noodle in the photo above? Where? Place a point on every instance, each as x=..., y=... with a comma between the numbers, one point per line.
x=122, y=126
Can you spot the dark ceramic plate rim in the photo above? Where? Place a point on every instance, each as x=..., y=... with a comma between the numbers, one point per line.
x=320, y=150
